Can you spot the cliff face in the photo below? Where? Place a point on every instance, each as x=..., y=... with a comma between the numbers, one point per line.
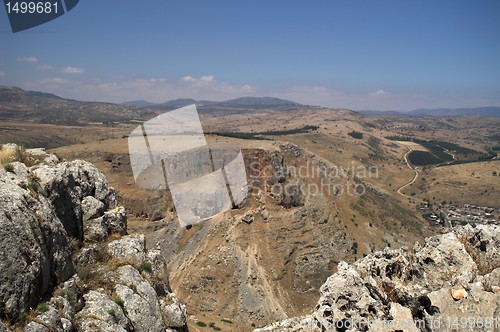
x=451, y=282
x=66, y=262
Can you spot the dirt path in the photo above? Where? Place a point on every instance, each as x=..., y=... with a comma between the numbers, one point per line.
x=414, y=177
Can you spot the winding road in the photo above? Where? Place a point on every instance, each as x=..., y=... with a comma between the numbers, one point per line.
x=414, y=177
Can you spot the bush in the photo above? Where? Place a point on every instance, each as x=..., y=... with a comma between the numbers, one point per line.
x=42, y=307
x=60, y=158
x=9, y=167
x=22, y=156
x=201, y=324
x=355, y=248
x=36, y=189
x=6, y=156
x=147, y=267
x=117, y=299
x=356, y=134
x=214, y=327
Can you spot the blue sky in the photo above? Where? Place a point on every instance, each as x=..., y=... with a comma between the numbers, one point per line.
x=379, y=54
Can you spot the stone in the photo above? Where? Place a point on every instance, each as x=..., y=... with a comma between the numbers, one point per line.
x=48, y=321
x=174, y=312
x=458, y=294
x=92, y=208
x=34, y=248
x=101, y=313
x=130, y=247
x=140, y=301
x=117, y=220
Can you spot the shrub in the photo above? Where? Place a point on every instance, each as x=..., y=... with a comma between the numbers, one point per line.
x=147, y=267
x=36, y=189
x=356, y=134
x=214, y=327
x=117, y=299
x=6, y=156
x=9, y=167
x=60, y=158
x=22, y=156
x=355, y=247
x=201, y=324
x=42, y=307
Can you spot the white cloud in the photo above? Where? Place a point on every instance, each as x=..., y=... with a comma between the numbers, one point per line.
x=156, y=89
x=33, y=59
x=379, y=93
x=71, y=70
x=201, y=79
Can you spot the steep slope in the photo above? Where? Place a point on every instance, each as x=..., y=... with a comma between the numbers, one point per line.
x=267, y=259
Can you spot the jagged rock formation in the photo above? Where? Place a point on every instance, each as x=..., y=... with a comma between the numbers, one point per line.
x=55, y=220
x=451, y=282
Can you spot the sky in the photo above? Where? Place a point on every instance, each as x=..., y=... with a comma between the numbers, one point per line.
x=377, y=54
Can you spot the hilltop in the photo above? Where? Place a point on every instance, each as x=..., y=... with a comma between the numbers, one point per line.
x=47, y=108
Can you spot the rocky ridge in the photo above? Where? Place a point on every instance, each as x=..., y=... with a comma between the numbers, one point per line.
x=450, y=283
x=67, y=262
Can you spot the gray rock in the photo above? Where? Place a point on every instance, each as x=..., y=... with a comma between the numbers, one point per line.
x=305, y=323
x=92, y=208
x=87, y=256
x=140, y=300
x=347, y=297
x=116, y=220
x=95, y=230
x=43, y=209
x=112, y=221
x=101, y=314
x=48, y=321
x=20, y=170
x=130, y=247
x=34, y=249
x=411, y=290
x=174, y=312
x=40, y=155
x=483, y=245
x=67, y=184
x=491, y=281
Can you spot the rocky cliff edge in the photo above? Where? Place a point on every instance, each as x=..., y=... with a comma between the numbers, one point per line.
x=450, y=283
x=66, y=261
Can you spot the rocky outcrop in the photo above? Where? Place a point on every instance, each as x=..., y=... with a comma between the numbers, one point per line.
x=448, y=283
x=57, y=271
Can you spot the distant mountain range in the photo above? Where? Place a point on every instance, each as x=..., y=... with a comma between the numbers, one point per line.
x=491, y=111
x=42, y=107
x=254, y=103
